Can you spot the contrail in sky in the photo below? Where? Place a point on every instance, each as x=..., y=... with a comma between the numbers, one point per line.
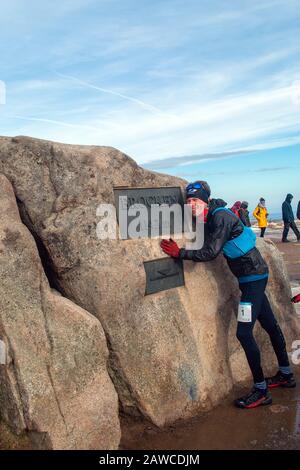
x=52, y=121
x=144, y=105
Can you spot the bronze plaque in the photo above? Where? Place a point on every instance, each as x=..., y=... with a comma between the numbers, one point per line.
x=149, y=197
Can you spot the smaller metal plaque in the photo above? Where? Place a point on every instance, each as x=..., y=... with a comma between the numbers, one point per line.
x=163, y=274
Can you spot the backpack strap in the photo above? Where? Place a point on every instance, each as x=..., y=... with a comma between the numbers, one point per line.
x=218, y=209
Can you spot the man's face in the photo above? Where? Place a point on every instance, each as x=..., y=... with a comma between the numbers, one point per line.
x=197, y=206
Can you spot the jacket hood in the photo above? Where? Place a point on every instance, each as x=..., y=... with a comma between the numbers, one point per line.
x=236, y=205
x=215, y=204
x=289, y=198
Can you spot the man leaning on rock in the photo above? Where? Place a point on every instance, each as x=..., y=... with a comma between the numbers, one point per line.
x=227, y=234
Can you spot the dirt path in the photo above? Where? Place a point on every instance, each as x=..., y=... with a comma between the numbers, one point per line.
x=273, y=427
x=291, y=255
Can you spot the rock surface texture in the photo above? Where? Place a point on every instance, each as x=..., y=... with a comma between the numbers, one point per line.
x=55, y=384
x=171, y=354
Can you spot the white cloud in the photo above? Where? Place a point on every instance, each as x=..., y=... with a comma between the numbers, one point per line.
x=2, y=92
x=240, y=122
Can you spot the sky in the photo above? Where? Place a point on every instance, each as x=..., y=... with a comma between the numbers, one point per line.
x=198, y=89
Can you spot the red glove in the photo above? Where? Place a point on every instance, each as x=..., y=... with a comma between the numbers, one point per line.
x=205, y=215
x=296, y=299
x=170, y=248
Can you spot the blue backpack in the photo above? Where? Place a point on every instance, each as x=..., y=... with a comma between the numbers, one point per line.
x=240, y=245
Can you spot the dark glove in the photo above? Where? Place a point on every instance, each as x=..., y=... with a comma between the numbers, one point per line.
x=296, y=299
x=170, y=248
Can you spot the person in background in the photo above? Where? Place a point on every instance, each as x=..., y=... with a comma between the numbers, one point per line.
x=236, y=207
x=288, y=219
x=261, y=215
x=244, y=214
x=298, y=210
x=227, y=235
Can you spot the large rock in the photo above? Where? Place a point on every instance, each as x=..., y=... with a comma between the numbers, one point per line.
x=55, y=384
x=173, y=353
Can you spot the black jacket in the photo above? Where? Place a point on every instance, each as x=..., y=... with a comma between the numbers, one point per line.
x=221, y=227
x=287, y=211
x=298, y=210
x=244, y=216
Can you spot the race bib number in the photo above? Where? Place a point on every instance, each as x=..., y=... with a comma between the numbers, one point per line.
x=245, y=312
